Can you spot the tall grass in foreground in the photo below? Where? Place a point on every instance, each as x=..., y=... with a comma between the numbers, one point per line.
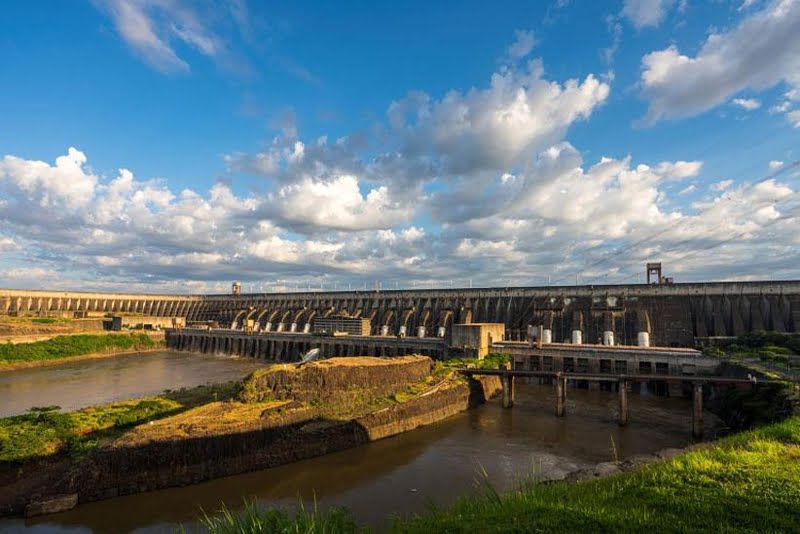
x=749, y=482
x=253, y=520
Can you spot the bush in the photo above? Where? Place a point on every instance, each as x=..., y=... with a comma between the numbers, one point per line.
x=768, y=355
x=774, y=342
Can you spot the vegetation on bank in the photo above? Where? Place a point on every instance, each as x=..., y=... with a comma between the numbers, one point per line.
x=765, y=346
x=48, y=320
x=46, y=432
x=74, y=345
x=748, y=482
x=491, y=361
x=334, y=520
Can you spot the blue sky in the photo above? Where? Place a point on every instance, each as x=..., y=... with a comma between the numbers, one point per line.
x=295, y=144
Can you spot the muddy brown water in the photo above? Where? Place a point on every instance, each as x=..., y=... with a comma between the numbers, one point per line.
x=406, y=473
x=77, y=384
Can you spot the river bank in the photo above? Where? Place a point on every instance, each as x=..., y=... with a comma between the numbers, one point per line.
x=19, y=328
x=111, y=352
x=748, y=481
x=75, y=347
x=182, y=444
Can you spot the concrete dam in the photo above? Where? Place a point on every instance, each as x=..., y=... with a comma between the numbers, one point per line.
x=679, y=314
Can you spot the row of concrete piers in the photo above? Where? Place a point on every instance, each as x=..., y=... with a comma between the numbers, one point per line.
x=624, y=386
x=291, y=347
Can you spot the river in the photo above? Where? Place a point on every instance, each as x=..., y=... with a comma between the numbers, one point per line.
x=81, y=383
x=405, y=473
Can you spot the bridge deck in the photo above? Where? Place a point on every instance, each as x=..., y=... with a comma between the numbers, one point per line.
x=605, y=377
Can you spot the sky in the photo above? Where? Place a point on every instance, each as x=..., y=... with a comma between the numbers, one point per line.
x=177, y=146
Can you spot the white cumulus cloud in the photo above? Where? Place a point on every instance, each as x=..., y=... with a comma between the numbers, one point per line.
x=762, y=51
x=643, y=13
x=748, y=104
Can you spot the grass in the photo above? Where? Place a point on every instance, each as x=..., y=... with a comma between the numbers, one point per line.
x=46, y=431
x=490, y=361
x=73, y=345
x=280, y=521
x=414, y=390
x=749, y=482
x=47, y=320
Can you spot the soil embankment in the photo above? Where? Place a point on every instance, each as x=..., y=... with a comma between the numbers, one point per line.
x=70, y=348
x=283, y=414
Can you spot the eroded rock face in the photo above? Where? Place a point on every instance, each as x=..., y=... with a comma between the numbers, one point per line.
x=327, y=379
x=51, y=505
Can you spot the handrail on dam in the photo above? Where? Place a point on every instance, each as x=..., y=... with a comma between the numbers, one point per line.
x=560, y=379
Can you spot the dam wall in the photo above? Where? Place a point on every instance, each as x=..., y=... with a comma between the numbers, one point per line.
x=37, y=302
x=673, y=314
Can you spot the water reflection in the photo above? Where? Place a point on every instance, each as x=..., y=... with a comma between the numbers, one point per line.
x=77, y=384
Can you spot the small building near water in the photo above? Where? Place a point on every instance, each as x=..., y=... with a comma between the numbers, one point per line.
x=339, y=324
x=474, y=339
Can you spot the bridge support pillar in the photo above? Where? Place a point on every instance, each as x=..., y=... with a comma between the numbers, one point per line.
x=561, y=395
x=507, y=382
x=697, y=411
x=508, y=391
x=623, y=403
